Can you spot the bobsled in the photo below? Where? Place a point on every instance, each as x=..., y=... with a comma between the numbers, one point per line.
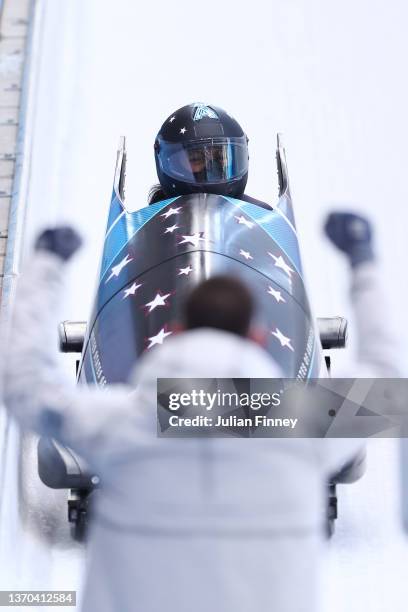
x=152, y=258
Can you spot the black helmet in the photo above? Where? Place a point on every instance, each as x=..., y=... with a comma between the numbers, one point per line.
x=201, y=149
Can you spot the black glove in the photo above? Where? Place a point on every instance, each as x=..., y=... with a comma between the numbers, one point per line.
x=351, y=234
x=62, y=241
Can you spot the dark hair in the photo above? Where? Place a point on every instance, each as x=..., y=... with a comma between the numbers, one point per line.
x=222, y=302
x=156, y=194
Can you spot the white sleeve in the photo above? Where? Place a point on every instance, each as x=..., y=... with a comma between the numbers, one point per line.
x=378, y=349
x=95, y=423
x=336, y=453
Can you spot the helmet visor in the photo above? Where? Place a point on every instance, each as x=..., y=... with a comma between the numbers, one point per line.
x=214, y=160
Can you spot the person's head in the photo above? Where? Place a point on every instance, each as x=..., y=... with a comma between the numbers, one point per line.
x=222, y=302
x=201, y=149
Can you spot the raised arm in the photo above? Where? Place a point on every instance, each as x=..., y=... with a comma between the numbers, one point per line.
x=377, y=346
x=93, y=422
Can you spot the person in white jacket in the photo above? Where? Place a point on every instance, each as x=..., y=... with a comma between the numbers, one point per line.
x=377, y=348
x=378, y=351
x=220, y=525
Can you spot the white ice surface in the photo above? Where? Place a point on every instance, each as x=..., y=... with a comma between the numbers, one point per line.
x=330, y=76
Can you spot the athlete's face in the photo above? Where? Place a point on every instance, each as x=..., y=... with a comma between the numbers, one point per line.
x=206, y=158
x=197, y=160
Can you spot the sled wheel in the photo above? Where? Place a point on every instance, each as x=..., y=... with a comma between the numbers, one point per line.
x=330, y=528
x=78, y=514
x=79, y=528
x=331, y=510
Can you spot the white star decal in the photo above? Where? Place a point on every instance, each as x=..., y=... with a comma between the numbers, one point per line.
x=159, y=300
x=242, y=221
x=276, y=294
x=185, y=271
x=245, y=254
x=281, y=263
x=193, y=239
x=132, y=290
x=172, y=119
x=171, y=229
x=284, y=341
x=171, y=211
x=159, y=338
x=116, y=270
x=183, y=130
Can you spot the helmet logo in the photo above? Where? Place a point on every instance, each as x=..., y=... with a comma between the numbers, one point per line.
x=201, y=110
